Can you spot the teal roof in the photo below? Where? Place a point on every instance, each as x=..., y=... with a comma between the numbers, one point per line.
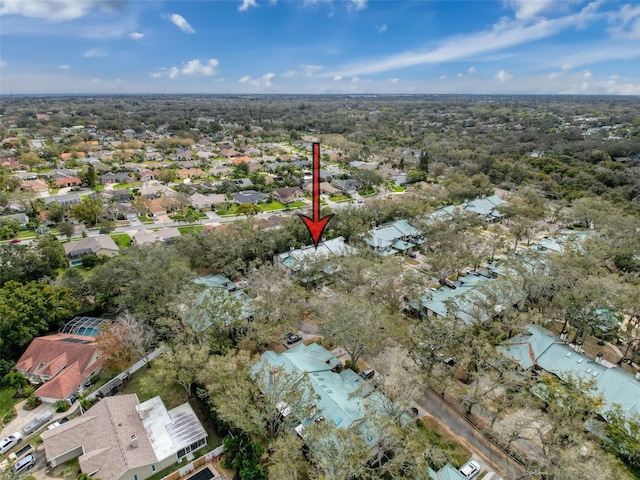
x=341, y=400
x=389, y=234
x=448, y=472
x=617, y=386
x=215, y=281
x=295, y=260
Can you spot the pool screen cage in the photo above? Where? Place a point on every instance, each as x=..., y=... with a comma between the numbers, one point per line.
x=89, y=326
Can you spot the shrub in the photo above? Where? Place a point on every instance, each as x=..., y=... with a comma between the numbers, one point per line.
x=32, y=402
x=61, y=406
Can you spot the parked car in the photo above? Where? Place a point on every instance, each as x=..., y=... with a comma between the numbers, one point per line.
x=7, y=443
x=412, y=254
x=18, y=454
x=37, y=422
x=15, y=240
x=367, y=374
x=25, y=464
x=470, y=469
x=293, y=338
x=63, y=420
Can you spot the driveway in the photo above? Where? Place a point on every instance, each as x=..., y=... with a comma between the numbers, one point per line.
x=25, y=416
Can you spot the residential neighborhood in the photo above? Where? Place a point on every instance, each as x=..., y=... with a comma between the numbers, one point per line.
x=166, y=314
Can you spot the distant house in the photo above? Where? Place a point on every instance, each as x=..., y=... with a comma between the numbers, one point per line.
x=538, y=348
x=203, y=202
x=120, y=438
x=347, y=186
x=488, y=207
x=229, y=153
x=98, y=245
x=63, y=200
x=325, y=188
x=288, y=194
x=242, y=182
x=190, y=173
x=250, y=196
x=37, y=186
x=115, y=178
x=395, y=237
x=145, y=237
x=18, y=217
x=60, y=364
x=68, y=182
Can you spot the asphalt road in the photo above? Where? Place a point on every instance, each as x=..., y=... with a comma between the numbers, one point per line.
x=498, y=460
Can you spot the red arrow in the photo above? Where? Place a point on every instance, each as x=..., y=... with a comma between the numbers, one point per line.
x=316, y=224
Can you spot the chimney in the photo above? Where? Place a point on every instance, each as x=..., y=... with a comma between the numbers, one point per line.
x=599, y=358
x=563, y=335
x=579, y=347
x=638, y=375
x=134, y=441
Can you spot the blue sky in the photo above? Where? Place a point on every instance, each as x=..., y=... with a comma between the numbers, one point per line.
x=320, y=46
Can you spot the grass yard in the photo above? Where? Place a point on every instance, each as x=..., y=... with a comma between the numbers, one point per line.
x=26, y=234
x=119, y=186
x=268, y=207
x=339, y=198
x=146, y=384
x=231, y=211
x=434, y=434
x=297, y=204
x=190, y=229
x=399, y=189
x=121, y=239
x=6, y=400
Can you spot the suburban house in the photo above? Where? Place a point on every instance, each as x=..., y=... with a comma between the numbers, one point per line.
x=447, y=472
x=487, y=207
x=349, y=186
x=325, y=189
x=60, y=364
x=98, y=245
x=341, y=397
x=190, y=173
x=242, y=182
x=145, y=237
x=204, y=202
x=250, y=196
x=395, y=237
x=202, y=322
x=37, y=186
x=115, y=178
x=474, y=297
x=135, y=439
x=539, y=349
x=21, y=218
x=63, y=200
x=311, y=263
x=288, y=194
x=68, y=182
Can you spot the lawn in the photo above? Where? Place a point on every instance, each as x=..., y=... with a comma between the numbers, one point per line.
x=6, y=400
x=118, y=186
x=434, y=434
x=190, y=229
x=121, y=239
x=399, y=189
x=268, y=207
x=296, y=204
x=339, y=198
x=146, y=384
x=26, y=234
x=231, y=211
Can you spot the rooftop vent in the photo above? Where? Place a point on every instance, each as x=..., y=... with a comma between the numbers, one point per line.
x=134, y=441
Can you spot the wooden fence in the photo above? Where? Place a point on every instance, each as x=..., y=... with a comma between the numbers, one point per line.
x=196, y=464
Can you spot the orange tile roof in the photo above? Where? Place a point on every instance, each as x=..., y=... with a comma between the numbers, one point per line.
x=54, y=366
x=245, y=159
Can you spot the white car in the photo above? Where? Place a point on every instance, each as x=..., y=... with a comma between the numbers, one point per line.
x=470, y=469
x=7, y=443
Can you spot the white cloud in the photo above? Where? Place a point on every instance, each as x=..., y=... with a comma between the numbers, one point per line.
x=471, y=70
x=566, y=66
x=244, y=79
x=503, y=76
x=3, y=63
x=180, y=22
x=54, y=11
x=94, y=52
x=459, y=75
x=382, y=28
x=528, y=9
x=337, y=78
x=193, y=67
x=355, y=79
x=587, y=74
x=358, y=4
x=394, y=80
x=309, y=70
x=96, y=80
x=289, y=74
x=264, y=80
x=136, y=35
x=442, y=77
x=64, y=67
x=626, y=23
x=246, y=4
x=504, y=34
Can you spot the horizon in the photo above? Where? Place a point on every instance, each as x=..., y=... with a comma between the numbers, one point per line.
x=320, y=47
